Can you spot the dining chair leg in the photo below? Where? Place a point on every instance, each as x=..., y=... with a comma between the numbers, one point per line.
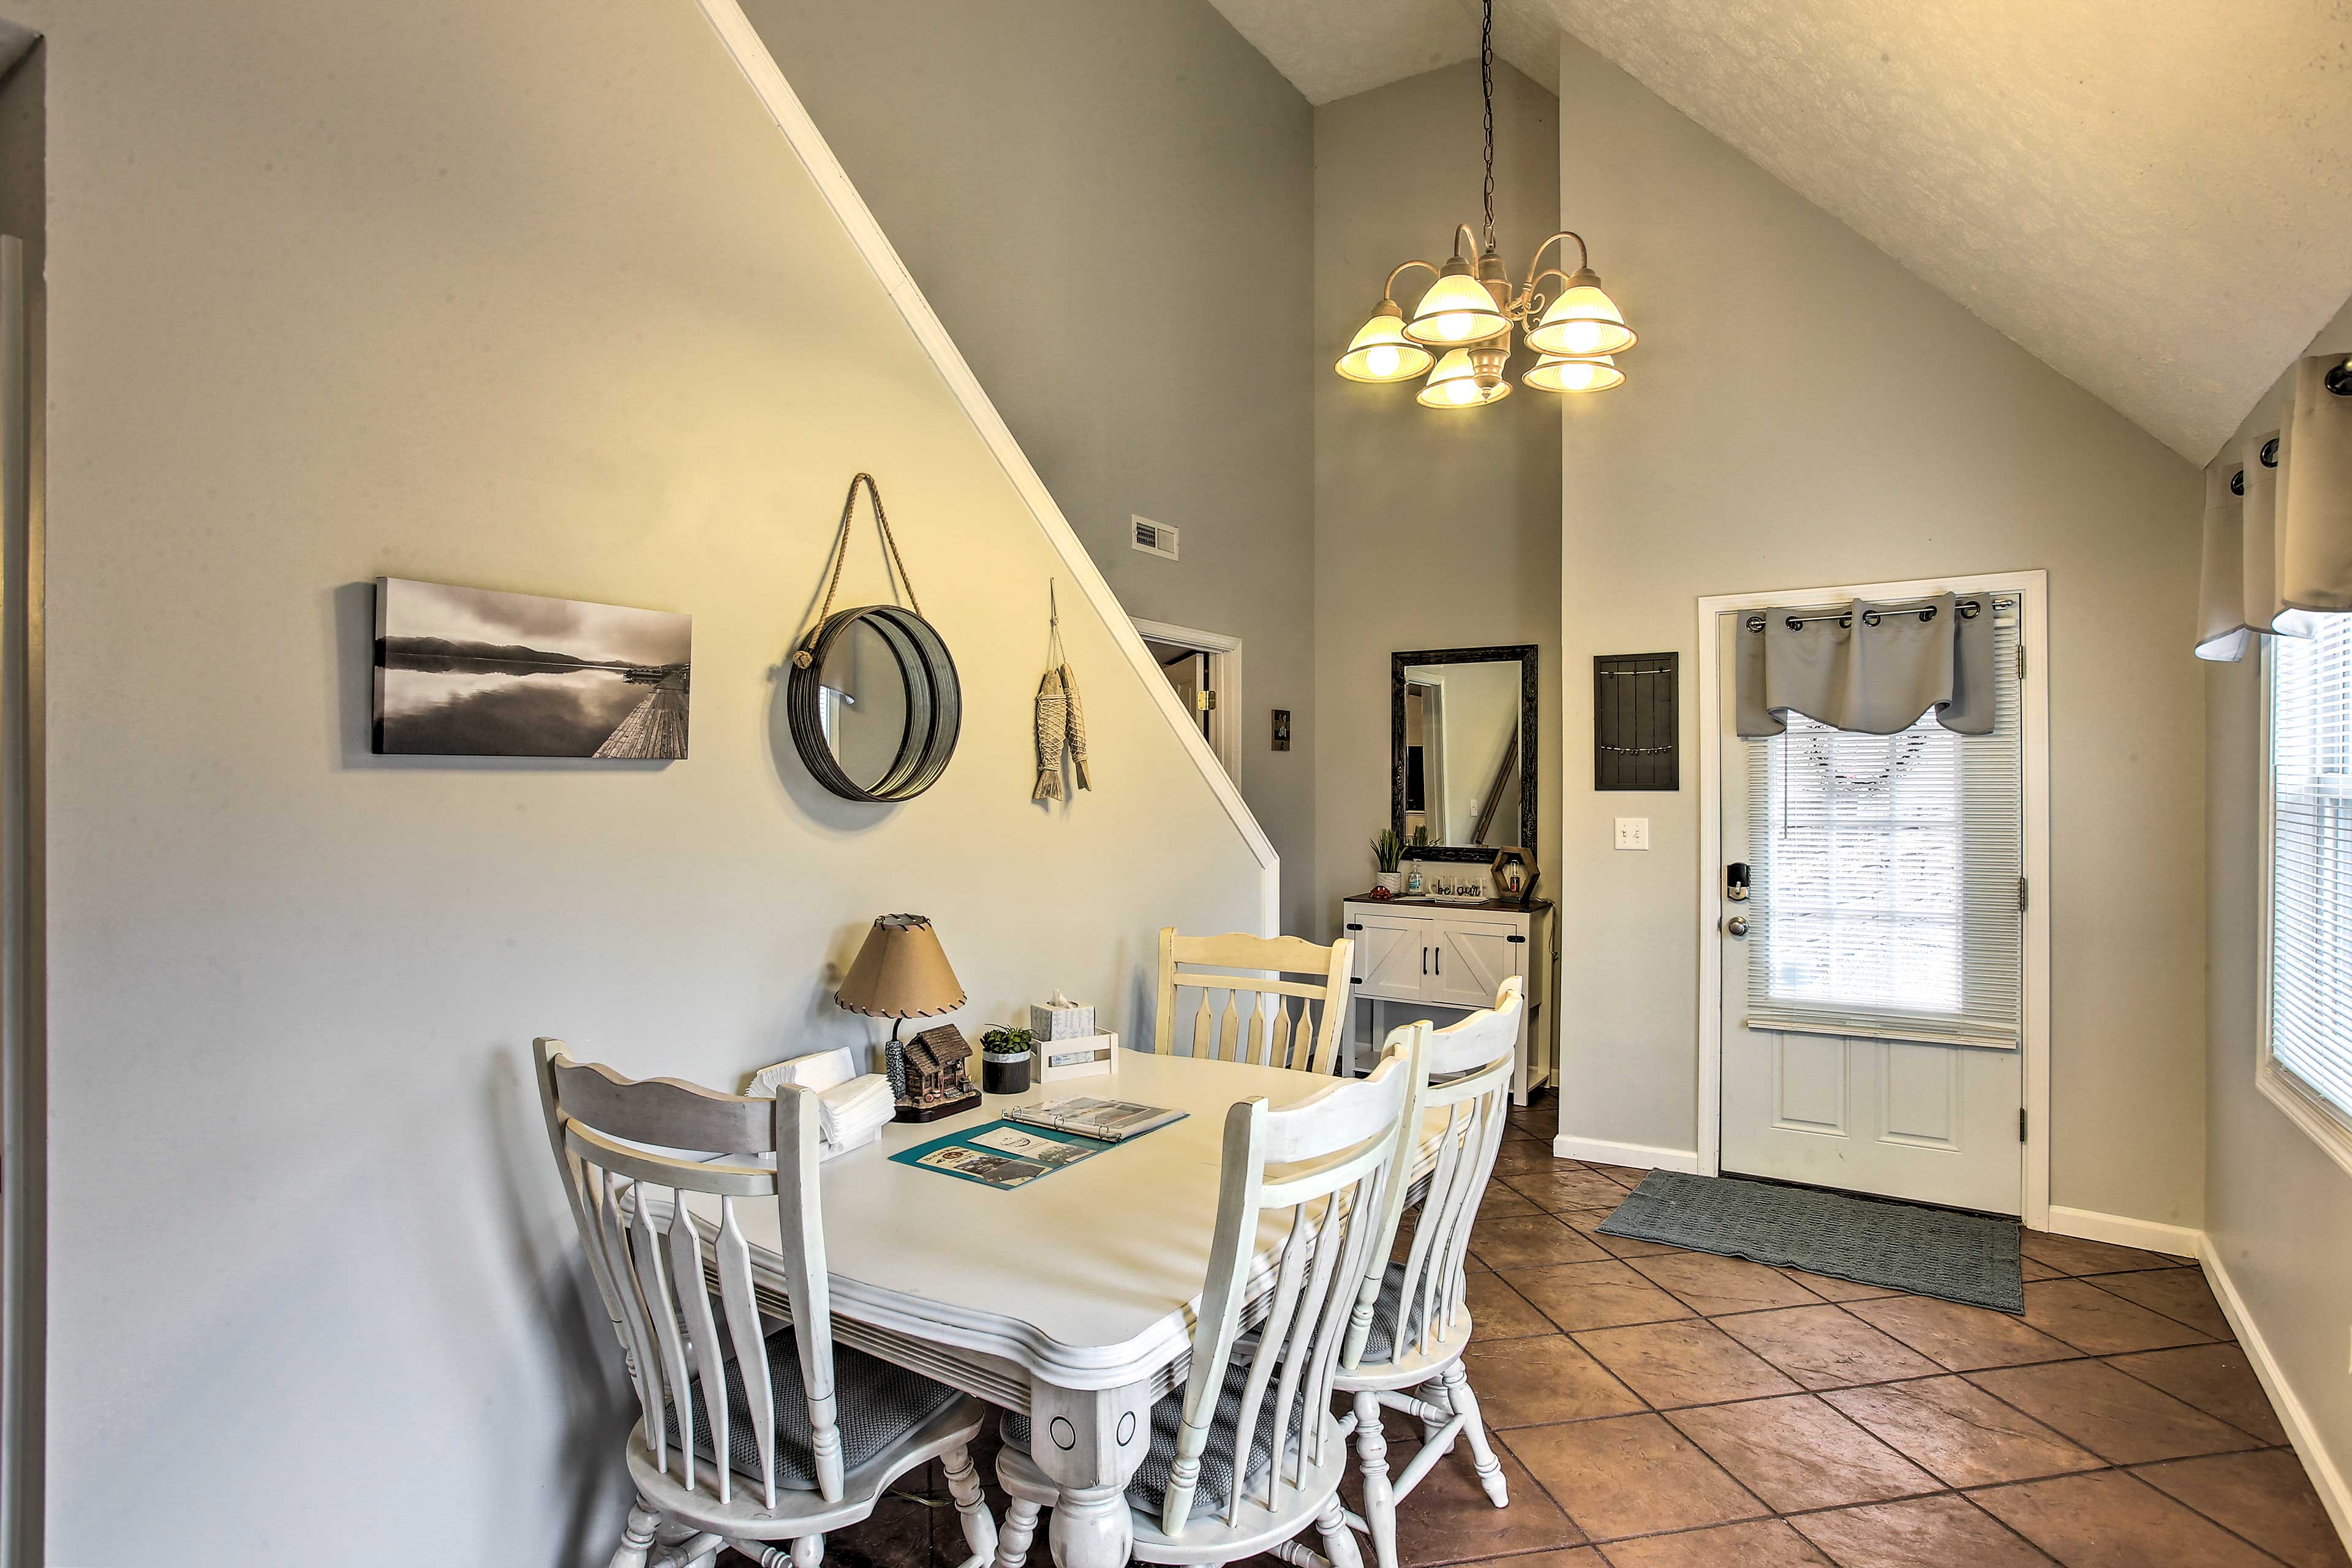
x=1434, y=1391
x=972, y=1504
x=1464, y=1403
x=1379, y=1501
x=637, y=1535
x=1020, y=1528
x=1339, y=1539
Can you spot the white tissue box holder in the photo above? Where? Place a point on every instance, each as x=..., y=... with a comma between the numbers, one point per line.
x=1090, y=1056
x=818, y=1070
x=1047, y=1022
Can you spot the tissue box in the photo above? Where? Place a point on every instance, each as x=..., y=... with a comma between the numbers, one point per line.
x=1069, y=1022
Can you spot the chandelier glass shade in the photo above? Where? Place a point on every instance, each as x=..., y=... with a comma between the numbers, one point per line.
x=1468, y=312
x=1383, y=352
x=1566, y=373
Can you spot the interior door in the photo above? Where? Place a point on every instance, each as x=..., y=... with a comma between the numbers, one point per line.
x=1188, y=672
x=1929, y=1123
x=1468, y=963
x=1392, y=956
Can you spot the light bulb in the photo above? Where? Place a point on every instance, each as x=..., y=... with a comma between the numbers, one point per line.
x=1462, y=391
x=1383, y=361
x=1581, y=337
x=1454, y=325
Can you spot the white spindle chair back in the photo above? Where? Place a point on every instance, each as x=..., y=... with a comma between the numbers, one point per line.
x=628, y=1150
x=1320, y=1169
x=1467, y=1082
x=1281, y=1023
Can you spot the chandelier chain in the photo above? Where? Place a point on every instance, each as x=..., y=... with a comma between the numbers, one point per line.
x=1486, y=88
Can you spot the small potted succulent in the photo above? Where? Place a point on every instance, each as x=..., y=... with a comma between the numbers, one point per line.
x=1004, y=1056
x=1388, y=851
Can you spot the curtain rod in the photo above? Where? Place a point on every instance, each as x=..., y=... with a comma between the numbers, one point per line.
x=1969, y=608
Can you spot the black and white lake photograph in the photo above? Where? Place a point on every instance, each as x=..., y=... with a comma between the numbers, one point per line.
x=472, y=672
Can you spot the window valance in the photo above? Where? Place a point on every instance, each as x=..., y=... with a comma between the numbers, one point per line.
x=1869, y=667
x=2278, y=520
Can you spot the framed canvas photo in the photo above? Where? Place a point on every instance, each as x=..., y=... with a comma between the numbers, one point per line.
x=472, y=672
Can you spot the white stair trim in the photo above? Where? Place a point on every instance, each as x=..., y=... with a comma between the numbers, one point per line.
x=751, y=54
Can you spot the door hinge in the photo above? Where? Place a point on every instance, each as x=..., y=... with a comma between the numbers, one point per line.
x=1355, y=925
x=2021, y=899
x=1208, y=701
x=1515, y=938
x=2020, y=1124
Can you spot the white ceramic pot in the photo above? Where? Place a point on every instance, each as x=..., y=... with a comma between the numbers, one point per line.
x=1392, y=880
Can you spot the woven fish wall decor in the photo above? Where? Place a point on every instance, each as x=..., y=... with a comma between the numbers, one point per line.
x=1061, y=718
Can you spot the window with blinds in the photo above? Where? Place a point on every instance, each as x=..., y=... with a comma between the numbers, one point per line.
x=2311, y=861
x=1884, y=876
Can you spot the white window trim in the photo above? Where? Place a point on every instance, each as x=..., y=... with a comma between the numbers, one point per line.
x=2327, y=1126
x=2032, y=589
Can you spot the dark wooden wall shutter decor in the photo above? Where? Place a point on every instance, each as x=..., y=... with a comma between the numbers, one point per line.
x=1635, y=721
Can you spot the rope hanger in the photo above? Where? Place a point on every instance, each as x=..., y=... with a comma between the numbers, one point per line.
x=805, y=653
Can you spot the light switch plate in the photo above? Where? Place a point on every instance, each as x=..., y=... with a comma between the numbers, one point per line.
x=1632, y=833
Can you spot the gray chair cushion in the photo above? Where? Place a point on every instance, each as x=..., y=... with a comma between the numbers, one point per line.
x=877, y=1404
x=1379, y=1345
x=1148, y=1490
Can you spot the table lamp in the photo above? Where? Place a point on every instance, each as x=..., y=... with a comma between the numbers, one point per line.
x=900, y=974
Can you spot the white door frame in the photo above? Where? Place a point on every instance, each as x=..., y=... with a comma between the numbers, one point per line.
x=2032, y=589
x=1225, y=680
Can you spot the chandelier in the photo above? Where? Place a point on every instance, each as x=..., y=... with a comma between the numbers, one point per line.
x=1463, y=324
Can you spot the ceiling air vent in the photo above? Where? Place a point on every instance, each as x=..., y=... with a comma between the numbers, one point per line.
x=1153, y=538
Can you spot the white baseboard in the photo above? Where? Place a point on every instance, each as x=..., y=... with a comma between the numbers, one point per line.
x=2317, y=1462
x=1639, y=1156
x=2119, y=1230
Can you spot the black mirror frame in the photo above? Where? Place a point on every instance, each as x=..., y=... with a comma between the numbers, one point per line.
x=934, y=705
x=1529, y=732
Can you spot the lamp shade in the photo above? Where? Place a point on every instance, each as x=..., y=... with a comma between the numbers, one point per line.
x=900, y=973
x=1456, y=309
x=1455, y=384
x=1566, y=373
x=1381, y=352
x=1582, y=322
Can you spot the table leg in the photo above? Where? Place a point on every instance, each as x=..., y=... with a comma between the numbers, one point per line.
x=1089, y=1443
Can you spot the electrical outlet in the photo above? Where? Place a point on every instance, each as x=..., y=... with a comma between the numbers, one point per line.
x=1632, y=833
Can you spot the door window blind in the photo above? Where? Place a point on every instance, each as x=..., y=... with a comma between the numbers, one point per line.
x=1885, y=876
x=2311, y=858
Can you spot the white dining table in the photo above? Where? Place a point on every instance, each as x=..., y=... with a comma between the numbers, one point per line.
x=1070, y=1298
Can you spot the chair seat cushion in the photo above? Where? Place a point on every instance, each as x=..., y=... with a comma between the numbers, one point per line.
x=879, y=1404
x=1148, y=1490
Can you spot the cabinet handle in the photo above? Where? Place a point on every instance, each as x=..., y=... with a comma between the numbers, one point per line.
x=1441, y=961
x=1424, y=961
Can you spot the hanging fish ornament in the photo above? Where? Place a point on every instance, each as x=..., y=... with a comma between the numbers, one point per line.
x=1053, y=722
x=1076, y=733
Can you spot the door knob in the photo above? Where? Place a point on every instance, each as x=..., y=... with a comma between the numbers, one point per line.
x=1737, y=925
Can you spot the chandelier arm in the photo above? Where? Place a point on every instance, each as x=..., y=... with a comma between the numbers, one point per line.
x=1584, y=258
x=1388, y=290
x=1462, y=232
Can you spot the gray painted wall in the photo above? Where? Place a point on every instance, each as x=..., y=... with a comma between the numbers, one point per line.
x=1432, y=528
x=2278, y=1210
x=532, y=296
x=1108, y=207
x=1802, y=411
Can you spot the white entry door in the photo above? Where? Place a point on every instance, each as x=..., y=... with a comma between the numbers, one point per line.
x=1870, y=906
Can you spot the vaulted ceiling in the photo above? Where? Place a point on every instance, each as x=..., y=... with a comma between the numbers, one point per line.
x=2152, y=197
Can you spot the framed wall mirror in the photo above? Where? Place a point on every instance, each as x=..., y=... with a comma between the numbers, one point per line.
x=877, y=710
x=1463, y=744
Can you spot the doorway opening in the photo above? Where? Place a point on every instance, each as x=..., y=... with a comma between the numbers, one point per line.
x=1204, y=669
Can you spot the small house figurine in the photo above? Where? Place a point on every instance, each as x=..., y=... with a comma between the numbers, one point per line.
x=938, y=1076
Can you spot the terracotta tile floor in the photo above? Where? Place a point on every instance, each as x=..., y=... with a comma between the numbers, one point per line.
x=1658, y=1408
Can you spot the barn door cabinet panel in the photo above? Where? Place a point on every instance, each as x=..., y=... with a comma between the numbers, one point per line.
x=1421, y=959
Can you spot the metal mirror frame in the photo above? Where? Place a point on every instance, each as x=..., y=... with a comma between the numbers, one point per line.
x=934, y=705
x=1529, y=732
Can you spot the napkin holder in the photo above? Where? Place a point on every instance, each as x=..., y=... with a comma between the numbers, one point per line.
x=820, y=1070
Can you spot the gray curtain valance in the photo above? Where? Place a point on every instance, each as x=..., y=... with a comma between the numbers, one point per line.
x=2278, y=520
x=1869, y=667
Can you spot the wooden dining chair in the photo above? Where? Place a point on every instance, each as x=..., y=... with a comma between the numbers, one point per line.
x=1261, y=1028
x=1412, y=1323
x=1319, y=1171
x=749, y=1433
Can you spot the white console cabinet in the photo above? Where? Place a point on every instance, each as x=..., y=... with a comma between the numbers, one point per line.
x=1418, y=958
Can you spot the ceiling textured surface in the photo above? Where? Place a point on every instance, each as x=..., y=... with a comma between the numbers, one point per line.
x=2153, y=198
